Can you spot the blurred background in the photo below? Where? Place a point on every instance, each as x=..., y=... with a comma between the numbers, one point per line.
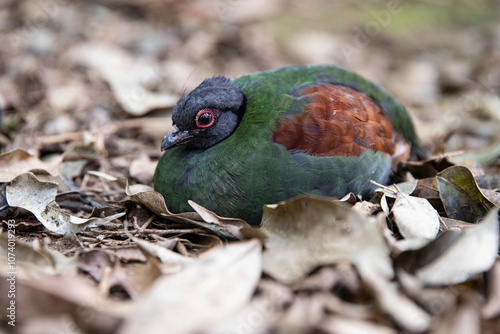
x=99, y=78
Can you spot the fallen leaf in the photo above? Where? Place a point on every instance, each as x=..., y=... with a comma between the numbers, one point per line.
x=473, y=252
x=414, y=259
x=415, y=217
x=464, y=317
x=488, y=181
x=345, y=325
x=135, y=278
x=127, y=76
x=38, y=197
x=403, y=310
x=18, y=161
x=462, y=198
x=94, y=262
x=393, y=190
x=72, y=169
x=233, y=226
x=227, y=228
x=491, y=308
x=143, y=168
x=493, y=195
x=453, y=223
x=336, y=305
x=216, y=286
x=51, y=296
x=429, y=167
x=165, y=255
x=308, y=231
x=302, y=316
x=36, y=255
x=262, y=312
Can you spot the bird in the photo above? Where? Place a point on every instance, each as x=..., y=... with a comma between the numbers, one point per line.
x=265, y=137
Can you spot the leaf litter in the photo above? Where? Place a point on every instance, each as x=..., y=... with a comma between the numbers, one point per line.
x=97, y=250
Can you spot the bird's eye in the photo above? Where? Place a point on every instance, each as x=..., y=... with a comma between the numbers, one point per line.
x=205, y=118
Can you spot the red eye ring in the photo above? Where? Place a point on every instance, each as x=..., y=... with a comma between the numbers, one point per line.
x=204, y=122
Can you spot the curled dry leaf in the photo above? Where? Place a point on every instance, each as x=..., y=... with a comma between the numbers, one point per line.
x=38, y=197
x=455, y=255
x=461, y=197
x=415, y=217
x=18, y=161
x=227, y=228
x=230, y=225
x=308, y=231
x=214, y=288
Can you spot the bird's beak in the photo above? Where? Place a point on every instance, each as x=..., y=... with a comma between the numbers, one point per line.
x=174, y=137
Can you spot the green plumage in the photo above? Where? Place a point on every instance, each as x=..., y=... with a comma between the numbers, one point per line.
x=246, y=170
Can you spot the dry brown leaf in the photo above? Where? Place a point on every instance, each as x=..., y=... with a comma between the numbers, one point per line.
x=27, y=192
x=216, y=286
x=233, y=226
x=227, y=228
x=308, y=231
x=18, y=161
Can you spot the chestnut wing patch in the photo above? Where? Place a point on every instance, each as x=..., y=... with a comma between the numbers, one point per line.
x=338, y=121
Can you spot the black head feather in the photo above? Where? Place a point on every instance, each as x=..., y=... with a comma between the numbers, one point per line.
x=227, y=105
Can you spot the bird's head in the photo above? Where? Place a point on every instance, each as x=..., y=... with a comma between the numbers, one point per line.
x=207, y=115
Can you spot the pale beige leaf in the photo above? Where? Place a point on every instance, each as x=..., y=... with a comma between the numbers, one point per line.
x=474, y=252
x=308, y=231
x=346, y=325
x=402, y=309
x=491, y=308
x=18, y=161
x=128, y=76
x=27, y=192
x=211, y=290
x=415, y=217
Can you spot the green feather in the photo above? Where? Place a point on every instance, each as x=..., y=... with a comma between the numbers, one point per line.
x=246, y=170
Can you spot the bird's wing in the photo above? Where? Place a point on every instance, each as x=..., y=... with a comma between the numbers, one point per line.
x=338, y=121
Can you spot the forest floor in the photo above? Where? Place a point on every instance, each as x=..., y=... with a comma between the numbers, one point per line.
x=86, y=92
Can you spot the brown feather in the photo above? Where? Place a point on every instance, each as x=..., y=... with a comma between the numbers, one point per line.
x=338, y=121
